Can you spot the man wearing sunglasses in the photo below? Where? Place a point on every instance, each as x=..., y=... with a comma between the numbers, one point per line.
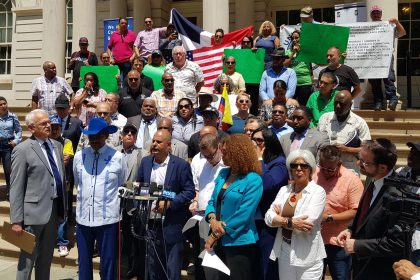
x=167, y=98
x=278, y=124
x=344, y=189
x=132, y=95
x=148, y=40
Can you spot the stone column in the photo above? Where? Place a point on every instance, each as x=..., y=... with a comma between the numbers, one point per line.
x=84, y=23
x=141, y=9
x=244, y=13
x=118, y=8
x=216, y=15
x=54, y=33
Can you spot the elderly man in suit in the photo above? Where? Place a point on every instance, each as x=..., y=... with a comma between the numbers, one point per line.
x=175, y=175
x=303, y=137
x=37, y=194
x=374, y=248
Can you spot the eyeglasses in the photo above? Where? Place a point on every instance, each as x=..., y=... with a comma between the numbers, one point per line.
x=364, y=163
x=218, y=36
x=133, y=79
x=230, y=62
x=299, y=118
x=259, y=141
x=128, y=131
x=102, y=113
x=326, y=169
x=169, y=80
x=277, y=112
x=186, y=106
x=242, y=101
x=299, y=165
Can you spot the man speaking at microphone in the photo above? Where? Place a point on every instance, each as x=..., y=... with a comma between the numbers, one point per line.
x=174, y=174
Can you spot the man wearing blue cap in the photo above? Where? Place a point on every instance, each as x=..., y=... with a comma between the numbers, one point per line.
x=98, y=171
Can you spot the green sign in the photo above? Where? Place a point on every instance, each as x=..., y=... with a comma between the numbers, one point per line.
x=154, y=73
x=248, y=63
x=316, y=39
x=106, y=76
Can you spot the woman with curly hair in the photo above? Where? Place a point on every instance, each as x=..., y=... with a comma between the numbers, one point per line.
x=221, y=81
x=232, y=207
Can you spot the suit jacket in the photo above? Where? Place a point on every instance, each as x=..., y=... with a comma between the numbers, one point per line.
x=179, y=180
x=32, y=183
x=72, y=131
x=373, y=239
x=179, y=149
x=133, y=162
x=313, y=141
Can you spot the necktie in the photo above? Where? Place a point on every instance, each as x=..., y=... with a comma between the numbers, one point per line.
x=56, y=173
x=146, y=134
x=365, y=204
x=295, y=144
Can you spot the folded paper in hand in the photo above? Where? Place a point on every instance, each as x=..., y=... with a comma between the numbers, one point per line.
x=26, y=241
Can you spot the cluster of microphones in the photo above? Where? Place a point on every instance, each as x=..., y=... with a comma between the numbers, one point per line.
x=145, y=191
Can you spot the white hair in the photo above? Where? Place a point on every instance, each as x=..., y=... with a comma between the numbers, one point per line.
x=180, y=48
x=30, y=117
x=306, y=155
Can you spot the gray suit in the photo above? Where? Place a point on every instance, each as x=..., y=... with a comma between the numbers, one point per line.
x=179, y=149
x=32, y=203
x=133, y=160
x=314, y=140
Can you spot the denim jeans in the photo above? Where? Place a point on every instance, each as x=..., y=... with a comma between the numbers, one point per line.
x=415, y=257
x=338, y=261
x=62, y=234
x=6, y=159
x=124, y=67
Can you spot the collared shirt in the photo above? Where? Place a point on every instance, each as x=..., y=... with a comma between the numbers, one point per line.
x=119, y=121
x=44, y=151
x=140, y=133
x=341, y=133
x=158, y=176
x=343, y=193
x=281, y=130
x=204, y=175
x=319, y=105
x=47, y=91
x=98, y=176
x=84, y=113
x=148, y=40
x=122, y=45
x=10, y=128
x=167, y=104
x=186, y=78
x=416, y=276
x=183, y=130
x=378, y=186
x=306, y=247
x=268, y=78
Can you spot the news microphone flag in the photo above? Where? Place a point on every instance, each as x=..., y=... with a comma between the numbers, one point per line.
x=224, y=109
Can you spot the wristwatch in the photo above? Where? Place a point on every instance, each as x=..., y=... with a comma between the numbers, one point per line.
x=329, y=218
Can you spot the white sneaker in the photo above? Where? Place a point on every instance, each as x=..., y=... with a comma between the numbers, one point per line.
x=63, y=251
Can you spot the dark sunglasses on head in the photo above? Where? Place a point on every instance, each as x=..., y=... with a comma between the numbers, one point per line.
x=133, y=79
x=259, y=141
x=278, y=112
x=301, y=165
x=186, y=106
x=169, y=80
x=230, y=62
x=242, y=101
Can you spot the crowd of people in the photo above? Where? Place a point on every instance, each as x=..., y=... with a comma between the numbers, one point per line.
x=279, y=192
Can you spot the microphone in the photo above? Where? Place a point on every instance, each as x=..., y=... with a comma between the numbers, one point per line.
x=124, y=192
x=167, y=195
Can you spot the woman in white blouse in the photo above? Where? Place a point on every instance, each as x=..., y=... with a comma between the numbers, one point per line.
x=297, y=212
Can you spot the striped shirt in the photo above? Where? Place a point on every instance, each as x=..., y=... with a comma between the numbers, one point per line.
x=167, y=105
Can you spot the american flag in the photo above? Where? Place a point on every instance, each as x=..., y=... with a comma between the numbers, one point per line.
x=200, y=45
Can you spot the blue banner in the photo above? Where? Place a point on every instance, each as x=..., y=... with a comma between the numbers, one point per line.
x=110, y=25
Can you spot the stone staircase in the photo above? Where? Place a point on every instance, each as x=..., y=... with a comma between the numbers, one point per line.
x=399, y=126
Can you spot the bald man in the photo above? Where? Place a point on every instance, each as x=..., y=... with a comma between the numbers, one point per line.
x=178, y=148
x=345, y=129
x=193, y=148
x=175, y=175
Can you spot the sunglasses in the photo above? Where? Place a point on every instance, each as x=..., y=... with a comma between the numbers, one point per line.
x=147, y=21
x=242, y=101
x=278, y=112
x=187, y=106
x=259, y=141
x=230, y=62
x=225, y=84
x=326, y=169
x=128, y=131
x=246, y=42
x=218, y=36
x=102, y=113
x=299, y=165
x=133, y=79
x=169, y=80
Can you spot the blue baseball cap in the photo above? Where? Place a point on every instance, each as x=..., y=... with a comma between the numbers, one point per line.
x=54, y=119
x=98, y=125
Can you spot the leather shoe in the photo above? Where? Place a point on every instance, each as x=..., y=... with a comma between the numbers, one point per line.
x=378, y=106
x=393, y=104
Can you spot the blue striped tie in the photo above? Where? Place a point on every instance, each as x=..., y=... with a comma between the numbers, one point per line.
x=57, y=176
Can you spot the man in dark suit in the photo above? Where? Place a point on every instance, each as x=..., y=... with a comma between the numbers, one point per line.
x=70, y=129
x=175, y=175
x=303, y=137
x=373, y=246
x=37, y=194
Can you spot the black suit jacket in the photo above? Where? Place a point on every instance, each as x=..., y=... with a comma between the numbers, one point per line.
x=374, y=245
x=72, y=131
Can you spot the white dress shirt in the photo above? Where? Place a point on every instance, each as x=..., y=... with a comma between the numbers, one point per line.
x=98, y=176
x=307, y=248
x=378, y=186
x=158, y=176
x=152, y=131
x=41, y=144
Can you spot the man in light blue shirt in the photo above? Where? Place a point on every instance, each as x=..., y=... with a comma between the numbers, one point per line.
x=98, y=172
x=277, y=72
x=278, y=120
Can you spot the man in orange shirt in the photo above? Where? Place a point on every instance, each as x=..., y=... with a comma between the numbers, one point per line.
x=344, y=189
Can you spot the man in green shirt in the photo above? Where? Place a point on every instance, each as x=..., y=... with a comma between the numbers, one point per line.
x=322, y=101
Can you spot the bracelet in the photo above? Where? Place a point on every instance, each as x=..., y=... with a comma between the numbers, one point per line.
x=289, y=222
x=214, y=235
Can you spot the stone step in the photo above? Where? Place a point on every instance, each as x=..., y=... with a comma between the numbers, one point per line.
x=395, y=125
x=400, y=115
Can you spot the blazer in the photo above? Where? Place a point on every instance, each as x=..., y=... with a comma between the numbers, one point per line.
x=72, y=131
x=374, y=240
x=133, y=162
x=179, y=149
x=240, y=201
x=314, y=140
x=179, y=180
x=32, y=183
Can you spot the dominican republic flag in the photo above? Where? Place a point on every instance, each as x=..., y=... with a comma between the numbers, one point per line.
x=224, y=109
x=201, y=45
